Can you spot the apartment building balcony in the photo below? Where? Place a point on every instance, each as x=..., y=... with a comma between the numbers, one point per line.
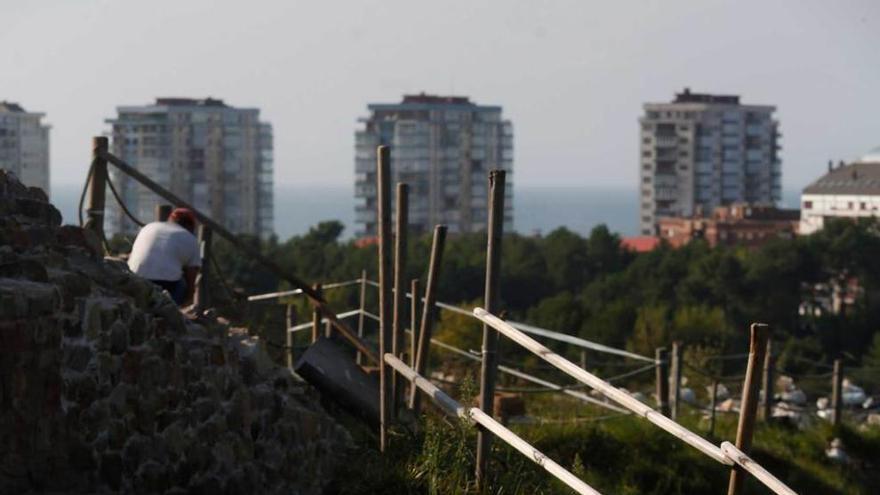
x=666, y=193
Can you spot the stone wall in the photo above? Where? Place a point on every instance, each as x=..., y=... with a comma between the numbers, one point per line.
x=106, y=387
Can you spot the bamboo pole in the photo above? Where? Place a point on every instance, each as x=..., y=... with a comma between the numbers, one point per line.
x=760, y=334
x=383, y=215
x=489, y=365
x=290, y=322
x=97, y=187
x=836, y=390
x=675, y=378
x=428, y=310
x=201, y=299
x=316, y=314
x=361, y=315
x=252, y=252
x=400, y=240
x=661, y=356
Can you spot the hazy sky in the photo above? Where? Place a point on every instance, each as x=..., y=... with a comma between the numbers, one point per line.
x=571, y=75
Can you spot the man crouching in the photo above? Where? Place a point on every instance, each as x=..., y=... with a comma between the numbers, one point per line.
x=167, y=254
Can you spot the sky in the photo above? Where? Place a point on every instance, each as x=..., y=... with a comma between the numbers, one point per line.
x=571, y=75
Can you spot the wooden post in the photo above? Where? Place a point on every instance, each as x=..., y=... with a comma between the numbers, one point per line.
x=290, y=322
x=661, y=359
x=163, y=211
x=760, y=334
x=414, y=321
x=97, y=186
x=767, y=383
x=714, y=405
x=428, y=310
x=836, y=391
x=489, y=365
x=401, y=223
x=383, y=214
x=675, y=379
x=362, y=315
x=201, y=299
x=316, y=314
x=583, y=359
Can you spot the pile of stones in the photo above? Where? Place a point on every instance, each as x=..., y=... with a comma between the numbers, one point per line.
x=105, y=386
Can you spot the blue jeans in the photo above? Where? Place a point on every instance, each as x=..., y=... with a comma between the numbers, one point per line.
x=176, y=288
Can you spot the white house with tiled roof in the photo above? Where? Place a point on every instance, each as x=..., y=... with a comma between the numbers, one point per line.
x=847, y=191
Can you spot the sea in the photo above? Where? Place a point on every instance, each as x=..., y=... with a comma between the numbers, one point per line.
x=536, y=209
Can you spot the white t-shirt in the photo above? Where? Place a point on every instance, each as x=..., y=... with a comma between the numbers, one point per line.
x=162, y=249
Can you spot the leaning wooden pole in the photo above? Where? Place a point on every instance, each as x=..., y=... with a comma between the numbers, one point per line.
x=290, y=322
x=489, y=366
x=675, y=380
x=97, y=187
x=760, y=334
x=202, y=296
x=428, y=309
x=836, y=392
x=400, y=226
x=767, y=384
x=252, y=252
x=316, y=314
x=383, y=217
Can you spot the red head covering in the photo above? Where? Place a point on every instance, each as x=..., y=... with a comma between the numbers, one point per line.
x=183, y=217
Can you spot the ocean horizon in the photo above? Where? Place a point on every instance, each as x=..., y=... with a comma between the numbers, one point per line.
x=536, y=209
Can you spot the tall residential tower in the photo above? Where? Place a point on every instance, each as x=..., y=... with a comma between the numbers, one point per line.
x=217, y=157
x=24, y=145
x=443, y=147
x=702, y=151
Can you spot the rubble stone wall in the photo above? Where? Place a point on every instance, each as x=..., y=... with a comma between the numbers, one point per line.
x=106, y=387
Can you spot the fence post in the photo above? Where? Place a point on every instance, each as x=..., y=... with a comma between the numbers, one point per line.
x=675, y=379
x=383, y=214
x=767, y=383
x=290, y=321
x=714, y=405
x=316, y=314
x=428, y=310
x=489, y=365
x=401, y=223
x=661, y=360
x=163, y=211
x=583, y=359
x=760, y=334
x=97, y=186
x=414, y=322
x=836, y=390
x=201, y=298
x=362, y=315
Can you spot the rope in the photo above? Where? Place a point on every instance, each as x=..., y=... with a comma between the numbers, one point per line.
x=710, y=375
x=122, y=204
x=231, y=293
x=577, y=386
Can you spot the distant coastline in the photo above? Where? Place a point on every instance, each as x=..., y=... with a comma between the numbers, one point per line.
x=537, y=209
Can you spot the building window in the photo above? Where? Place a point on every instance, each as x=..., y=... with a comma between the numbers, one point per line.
x=808, y=205
x=863, y=206
x=646, y=180
x=849, y=205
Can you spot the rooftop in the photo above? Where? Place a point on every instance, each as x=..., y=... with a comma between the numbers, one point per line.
x=862, y=177
x=190, y=102
x=687, y=97
x=10, y=107
x=426, y=98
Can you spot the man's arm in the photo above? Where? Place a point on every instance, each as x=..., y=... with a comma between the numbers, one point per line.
x=189, y=275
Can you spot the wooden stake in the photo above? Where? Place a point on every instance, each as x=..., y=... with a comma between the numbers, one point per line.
x=661, y=357
x=836, y=390
x=414, y=321
x=760, y=334
x=163, y=211
x=383, y=214
x=316, y=314
x=201, y=299
x=290, y=322
x=489, y=366
x=675, y=378
x=714, y=405
x=767, y=383
x=428, y=310
x=401, y=223
x=97, y=187
x=362, y=315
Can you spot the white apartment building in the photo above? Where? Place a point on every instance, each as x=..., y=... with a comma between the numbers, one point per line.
x=217, y=157
x=846, y=191
x=702, y=151
x=24, y=145
x=443, y=147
